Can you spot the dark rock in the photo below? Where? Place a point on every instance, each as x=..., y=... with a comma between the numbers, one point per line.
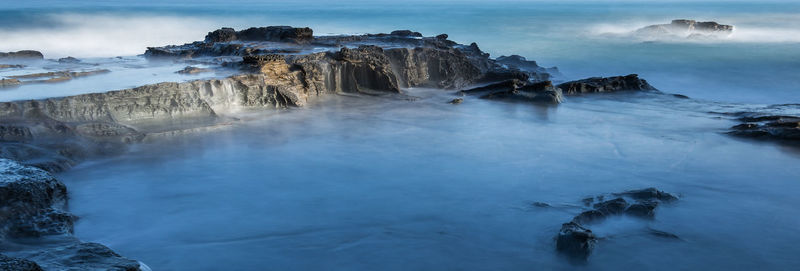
x=649, y=194
x=442, y=37
x=31, y=202
x=539, y=92
x=69, y=59
x=24, y=54
x=17, y=264
x=456, y=101
x=540, y=204
x=686, y=29
x=607, y=84
x=643, y=210
x=681, y=96
x=575, y=241
x=612, y=207
x=779, y=128
x=224, y=34
x=405, y=33
x=662, y=234
x=276, y=33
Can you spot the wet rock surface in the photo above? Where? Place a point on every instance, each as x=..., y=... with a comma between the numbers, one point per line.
x=32, y=205
x=576, y=241
x=17, y=264
x=689, y=29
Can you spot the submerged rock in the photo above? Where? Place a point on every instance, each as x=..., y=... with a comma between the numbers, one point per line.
x=54, y=77
x=69, y=59
x=193, y=70
x=84, y=256
x=24, y=54
x=577, y=241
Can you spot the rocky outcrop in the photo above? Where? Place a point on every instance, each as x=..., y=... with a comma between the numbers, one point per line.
x=24, y=54
x=685, y=29
x=576, y=241
x=270, y=33
x=32, y=205
x=606, y=84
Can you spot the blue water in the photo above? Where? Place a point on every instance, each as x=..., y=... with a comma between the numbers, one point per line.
x=366, y=183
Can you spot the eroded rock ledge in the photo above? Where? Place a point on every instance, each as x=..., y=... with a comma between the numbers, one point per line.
x=282, y=67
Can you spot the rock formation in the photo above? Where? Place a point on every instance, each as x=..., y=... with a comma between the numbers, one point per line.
x=576, y=241
x=685, y=29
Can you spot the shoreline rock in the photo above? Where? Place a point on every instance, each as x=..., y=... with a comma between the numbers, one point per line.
x=32, y=205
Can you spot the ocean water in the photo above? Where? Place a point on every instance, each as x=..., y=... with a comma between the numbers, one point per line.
x=365, y=183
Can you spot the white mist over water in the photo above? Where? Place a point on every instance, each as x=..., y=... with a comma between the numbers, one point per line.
x=104, y=35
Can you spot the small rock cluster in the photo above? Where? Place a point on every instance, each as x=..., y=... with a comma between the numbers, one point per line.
x=577, y=241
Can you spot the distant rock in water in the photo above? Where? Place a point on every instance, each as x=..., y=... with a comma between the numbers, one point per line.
x=24, y=54
x=68, y=59
x=688, y=29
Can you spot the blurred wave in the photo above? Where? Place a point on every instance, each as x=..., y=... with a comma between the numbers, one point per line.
x=102, y=35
